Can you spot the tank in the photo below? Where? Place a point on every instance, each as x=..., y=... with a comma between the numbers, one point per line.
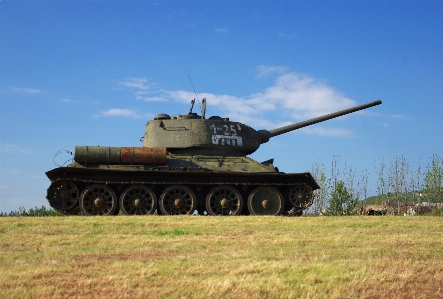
x=187, y=164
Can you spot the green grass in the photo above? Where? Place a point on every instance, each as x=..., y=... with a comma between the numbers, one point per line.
x=221, y=257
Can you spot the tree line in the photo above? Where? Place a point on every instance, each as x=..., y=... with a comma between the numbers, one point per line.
x=398, y=185
x=32, y=212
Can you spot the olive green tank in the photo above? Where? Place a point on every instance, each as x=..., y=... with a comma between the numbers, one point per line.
x=187, y=164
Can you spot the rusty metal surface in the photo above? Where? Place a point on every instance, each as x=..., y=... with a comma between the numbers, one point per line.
x=120, y=155
x=143, y=155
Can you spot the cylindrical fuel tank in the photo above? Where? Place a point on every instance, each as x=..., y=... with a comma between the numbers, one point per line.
x=120, y=155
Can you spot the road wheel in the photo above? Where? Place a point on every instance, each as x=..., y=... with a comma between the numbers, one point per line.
x=98, y=199
x=224, y=200
x=265, y=201
x=138, y=200
x=177, y=200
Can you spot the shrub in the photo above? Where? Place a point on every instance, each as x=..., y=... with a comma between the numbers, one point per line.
x=437, y=212
x=32, y=212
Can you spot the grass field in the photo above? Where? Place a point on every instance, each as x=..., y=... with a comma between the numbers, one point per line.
x=221, y=257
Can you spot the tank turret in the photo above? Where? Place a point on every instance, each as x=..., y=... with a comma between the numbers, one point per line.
x=216, y=136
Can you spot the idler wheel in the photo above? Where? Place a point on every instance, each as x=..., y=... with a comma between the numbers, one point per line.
x=63, y=195
x=98, y=199
x=177, y=200
x=138, y=200
x=265, y=201
x=301, y=196
x=224, y=200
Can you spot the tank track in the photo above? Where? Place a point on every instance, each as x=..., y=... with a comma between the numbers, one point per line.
x=175, y=191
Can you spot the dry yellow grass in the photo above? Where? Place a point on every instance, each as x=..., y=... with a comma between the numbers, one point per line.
x=221, y=257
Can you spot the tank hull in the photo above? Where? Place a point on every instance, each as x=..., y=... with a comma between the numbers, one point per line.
x=143, y=190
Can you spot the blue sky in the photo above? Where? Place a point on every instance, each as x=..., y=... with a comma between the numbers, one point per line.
x=94, y=72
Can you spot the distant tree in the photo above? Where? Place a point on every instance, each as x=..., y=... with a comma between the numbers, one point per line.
x=348, y=187
x=382, y=184
x=341, y=202
x=433, y=180
x=398, y=180
x=378, y=201
x=356, y=184
x=321, y=195
x=415, y=185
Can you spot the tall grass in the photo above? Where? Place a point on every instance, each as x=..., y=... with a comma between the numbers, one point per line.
x=221, y=257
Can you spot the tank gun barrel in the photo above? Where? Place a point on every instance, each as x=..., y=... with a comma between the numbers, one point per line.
x=265, y=134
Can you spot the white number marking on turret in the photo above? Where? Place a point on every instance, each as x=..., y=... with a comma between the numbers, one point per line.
x=227, y=140
x=224, y=135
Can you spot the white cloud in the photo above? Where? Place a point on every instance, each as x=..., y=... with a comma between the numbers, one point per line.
x=69, y=101
x=146, y=96
x=332, y=132
x=303, y=96
x=264, y=70
x=114, y=112
x=298, y=96
x=25, y=90
x=138, y=83
x=143, y=91
x=399, y=116
x=292, y=98
x=151, y=99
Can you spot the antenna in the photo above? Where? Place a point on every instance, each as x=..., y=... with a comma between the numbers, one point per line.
x=198, y=101
x=193, y=101
x=203, y=108
x=192, y=106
